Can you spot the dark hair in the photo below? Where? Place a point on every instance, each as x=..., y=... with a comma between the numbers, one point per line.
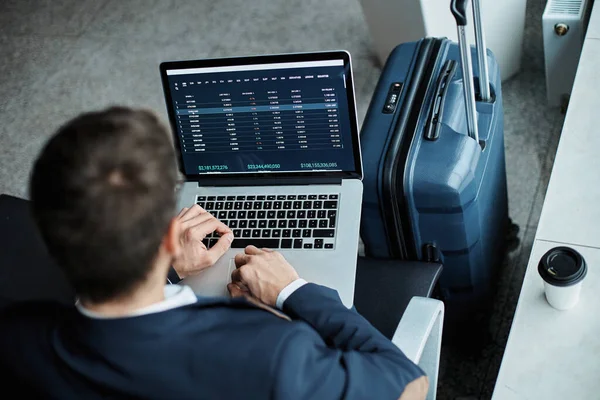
x=103, y=194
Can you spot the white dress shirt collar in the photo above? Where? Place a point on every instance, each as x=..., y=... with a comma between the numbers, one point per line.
x=175, y=296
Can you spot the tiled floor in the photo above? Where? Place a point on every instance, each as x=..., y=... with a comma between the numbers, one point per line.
x=59, y=58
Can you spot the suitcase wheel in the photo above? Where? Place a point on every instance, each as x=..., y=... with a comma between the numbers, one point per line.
x=512, y=236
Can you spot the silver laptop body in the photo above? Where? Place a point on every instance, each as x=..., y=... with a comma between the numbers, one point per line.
x=270, y=146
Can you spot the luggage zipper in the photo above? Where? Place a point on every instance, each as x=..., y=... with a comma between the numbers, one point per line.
x=395, y=210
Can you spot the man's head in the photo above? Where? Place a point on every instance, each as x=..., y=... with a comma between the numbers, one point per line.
x=103, y=195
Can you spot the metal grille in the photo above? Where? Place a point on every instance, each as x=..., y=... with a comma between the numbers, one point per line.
x=562, y=7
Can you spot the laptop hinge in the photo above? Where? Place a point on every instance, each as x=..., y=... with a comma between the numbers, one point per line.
x=271, y=181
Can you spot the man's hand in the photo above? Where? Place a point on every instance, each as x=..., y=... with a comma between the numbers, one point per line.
x=238, y=290
x=195, y=224
x=263, y=273
x=416, y=390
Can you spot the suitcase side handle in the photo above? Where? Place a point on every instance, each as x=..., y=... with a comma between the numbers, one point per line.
x=458, y=8
x=432, y=132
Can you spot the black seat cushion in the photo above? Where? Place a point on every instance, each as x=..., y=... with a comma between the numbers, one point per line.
x=384, y=288
x=27, y=272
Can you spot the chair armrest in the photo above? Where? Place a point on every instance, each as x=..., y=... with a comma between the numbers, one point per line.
x=419, y=336
x=384, y=288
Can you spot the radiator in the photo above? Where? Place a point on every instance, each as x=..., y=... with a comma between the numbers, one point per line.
x=564, y=24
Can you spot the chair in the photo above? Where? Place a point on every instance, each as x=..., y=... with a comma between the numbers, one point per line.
x=26, y=270
x=401, y=310
x=395, y=296
x=419, y=336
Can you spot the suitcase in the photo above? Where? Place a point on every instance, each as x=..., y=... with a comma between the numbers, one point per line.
x=434, y=165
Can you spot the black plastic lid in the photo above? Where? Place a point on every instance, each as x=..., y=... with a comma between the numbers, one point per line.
x=562, y=266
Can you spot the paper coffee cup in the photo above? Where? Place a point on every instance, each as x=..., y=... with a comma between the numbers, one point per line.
x=563, y=270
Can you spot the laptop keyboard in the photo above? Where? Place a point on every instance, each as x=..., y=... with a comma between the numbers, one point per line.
x=306, y=221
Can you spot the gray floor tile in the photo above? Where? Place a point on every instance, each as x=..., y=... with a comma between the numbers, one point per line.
x=490, y=379
x=462, y=376
x=99, y=73
x=366, y=75
x=94, y=74
x=533, y=50
x=504, y=308
x=26, y=63
x=523, y=169
x=47, y=17
x=529, y=124
x=514, y=286
x=15, y=172
x=503, y=281
x=158, y=21
x=526, y=112
x=23, y=136
x=297, y=25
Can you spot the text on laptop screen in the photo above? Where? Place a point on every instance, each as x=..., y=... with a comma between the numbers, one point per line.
x=280, y=117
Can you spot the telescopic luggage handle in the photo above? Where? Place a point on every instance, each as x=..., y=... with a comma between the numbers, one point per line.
x=459, y=11
x=458, y=8
x=484, y=74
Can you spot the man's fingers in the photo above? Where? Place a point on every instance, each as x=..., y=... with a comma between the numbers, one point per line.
x=196, y=220
x=187, y=210
x=192, y=212
x=252, y=250
x=242, y=286
x=206, y=218
x=204, y=228
x=241, y=259
x=218, y=249
x=235, y=290
x=223, y=229
x=236, y=275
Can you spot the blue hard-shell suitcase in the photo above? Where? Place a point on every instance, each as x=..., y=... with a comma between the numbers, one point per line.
x=434, y=180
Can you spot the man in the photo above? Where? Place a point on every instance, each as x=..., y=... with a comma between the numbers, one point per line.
x=103, y=195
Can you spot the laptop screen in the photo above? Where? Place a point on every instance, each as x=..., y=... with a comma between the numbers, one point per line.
x=267, y=115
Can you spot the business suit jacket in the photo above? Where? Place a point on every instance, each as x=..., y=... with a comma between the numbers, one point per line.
x=217, y=348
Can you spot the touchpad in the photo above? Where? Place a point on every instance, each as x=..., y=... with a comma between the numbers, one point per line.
x=231, y=269
x=213, y=280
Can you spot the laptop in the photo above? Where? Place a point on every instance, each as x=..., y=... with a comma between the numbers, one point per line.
x=270, y=146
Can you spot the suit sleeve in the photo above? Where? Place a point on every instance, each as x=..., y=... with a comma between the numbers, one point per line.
x=342, y=357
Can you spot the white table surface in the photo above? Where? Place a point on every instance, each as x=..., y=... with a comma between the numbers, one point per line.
x=593, y=31
x=553, y=354
x=571, y=210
